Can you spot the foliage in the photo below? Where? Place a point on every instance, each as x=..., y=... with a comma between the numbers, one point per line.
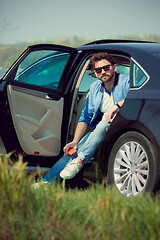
x=56, y=214
x=9, y=53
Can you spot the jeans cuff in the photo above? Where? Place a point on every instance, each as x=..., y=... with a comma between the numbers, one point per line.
x=81, y=156
x=45, y=181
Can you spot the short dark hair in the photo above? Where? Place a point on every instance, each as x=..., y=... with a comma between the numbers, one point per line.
x=101, y=55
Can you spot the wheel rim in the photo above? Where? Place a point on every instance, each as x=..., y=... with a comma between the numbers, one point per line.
x=131, y=169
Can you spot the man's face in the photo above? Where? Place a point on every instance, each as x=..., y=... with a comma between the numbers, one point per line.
x=107, y=73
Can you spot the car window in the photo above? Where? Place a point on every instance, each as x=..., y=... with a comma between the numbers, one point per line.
x=139, y=76
x=123, y=69
x=87, y=80
x=42, y=68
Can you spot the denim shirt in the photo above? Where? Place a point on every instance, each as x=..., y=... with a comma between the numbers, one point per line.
x=91, y=114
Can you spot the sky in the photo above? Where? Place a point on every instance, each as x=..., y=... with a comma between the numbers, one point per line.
x=35, y=20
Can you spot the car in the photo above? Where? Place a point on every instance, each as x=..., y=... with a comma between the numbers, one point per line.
x=42, y=95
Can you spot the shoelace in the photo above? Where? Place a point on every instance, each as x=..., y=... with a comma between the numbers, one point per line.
x=71, y=163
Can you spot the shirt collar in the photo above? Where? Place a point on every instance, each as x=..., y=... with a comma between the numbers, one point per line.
x=115, y=83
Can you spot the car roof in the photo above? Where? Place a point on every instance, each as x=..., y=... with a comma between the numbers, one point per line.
x=122, y=45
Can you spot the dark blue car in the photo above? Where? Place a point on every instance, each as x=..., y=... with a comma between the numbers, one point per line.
x=44, y=91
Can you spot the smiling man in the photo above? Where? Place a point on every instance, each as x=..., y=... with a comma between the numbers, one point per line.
x=105, y=98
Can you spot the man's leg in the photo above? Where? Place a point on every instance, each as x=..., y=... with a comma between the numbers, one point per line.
x=53, y=174
x=86, y=149
x=90, y=146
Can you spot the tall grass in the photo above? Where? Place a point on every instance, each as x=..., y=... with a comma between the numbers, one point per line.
x=55, y=214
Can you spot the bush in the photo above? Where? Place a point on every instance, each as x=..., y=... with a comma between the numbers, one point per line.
x=53, y=213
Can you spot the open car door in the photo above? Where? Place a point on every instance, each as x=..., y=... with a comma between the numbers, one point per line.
x=35, y=91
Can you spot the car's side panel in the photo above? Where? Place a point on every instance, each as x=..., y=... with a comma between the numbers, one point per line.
x=141, y=115
x=37, y=121
x=150, y=116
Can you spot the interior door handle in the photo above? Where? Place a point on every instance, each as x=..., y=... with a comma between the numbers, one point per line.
x=52, y=97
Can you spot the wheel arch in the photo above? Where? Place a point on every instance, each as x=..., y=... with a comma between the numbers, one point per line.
x=112, y=136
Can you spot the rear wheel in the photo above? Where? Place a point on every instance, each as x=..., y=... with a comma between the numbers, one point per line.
x=133, y=165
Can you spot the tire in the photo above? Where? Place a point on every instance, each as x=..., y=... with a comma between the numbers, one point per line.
x=133, y=165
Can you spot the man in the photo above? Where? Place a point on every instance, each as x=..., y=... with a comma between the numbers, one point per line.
x=106, y=96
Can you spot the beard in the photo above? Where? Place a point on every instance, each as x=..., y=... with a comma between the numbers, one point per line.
x=107, y=77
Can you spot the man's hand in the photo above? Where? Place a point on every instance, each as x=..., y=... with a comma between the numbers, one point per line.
x=80, y=130
x=110, y=113
x=70, y=145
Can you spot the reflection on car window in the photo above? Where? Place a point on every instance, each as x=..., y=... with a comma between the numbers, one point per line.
x=42, y=68
x=139, y=76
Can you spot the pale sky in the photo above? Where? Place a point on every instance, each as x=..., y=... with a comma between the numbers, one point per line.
x=32, y=20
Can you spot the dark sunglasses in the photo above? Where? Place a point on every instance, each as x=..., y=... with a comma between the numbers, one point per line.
x=105, y=68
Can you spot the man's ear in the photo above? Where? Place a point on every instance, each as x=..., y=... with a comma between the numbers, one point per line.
x=115, y=67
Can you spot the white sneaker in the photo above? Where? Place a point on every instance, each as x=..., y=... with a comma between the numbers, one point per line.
x=71, y=169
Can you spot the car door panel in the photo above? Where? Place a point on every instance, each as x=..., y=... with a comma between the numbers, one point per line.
x=37, y=121
x=34, y=89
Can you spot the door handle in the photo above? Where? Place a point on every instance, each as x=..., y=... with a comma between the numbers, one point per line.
x=52, y=97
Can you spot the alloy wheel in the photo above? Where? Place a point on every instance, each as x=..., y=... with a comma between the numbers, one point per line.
x=131, y=169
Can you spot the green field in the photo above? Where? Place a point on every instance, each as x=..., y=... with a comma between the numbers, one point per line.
x=57, y=213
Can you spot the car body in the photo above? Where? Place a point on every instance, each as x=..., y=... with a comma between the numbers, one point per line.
x=44, y=91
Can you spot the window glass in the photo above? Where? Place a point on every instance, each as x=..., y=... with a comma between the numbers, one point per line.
x=87, y=80
x=138, y=76
x=123, y=69
x=122, y=63
x=42, y=68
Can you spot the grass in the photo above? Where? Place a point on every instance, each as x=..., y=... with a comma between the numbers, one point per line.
x=57, y=214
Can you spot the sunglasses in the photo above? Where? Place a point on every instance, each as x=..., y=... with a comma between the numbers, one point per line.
x=105, y=68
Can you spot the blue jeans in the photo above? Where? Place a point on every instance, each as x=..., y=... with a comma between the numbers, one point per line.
x=87, y=147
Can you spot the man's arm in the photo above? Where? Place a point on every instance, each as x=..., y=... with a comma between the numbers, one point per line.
x=80, y=130
x=112, y=111
x=84, y=119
